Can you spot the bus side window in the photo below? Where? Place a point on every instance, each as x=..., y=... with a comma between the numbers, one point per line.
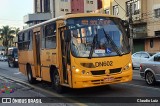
x=50, y=35
x=30, y=39
x=26, y=41
x=20, y=41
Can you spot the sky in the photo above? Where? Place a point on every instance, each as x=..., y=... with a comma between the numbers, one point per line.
x=12, y=12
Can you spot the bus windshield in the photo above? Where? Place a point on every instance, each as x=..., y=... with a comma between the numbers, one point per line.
x=97, y=37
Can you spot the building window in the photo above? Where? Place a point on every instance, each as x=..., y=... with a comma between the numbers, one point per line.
x=157, y=33
x=151, y=43
x=89, y=11
x=157, y=13
x=62, y=9
x=87, y=1
x=66, y=10
x=127, y=8
x=115, y=10
x=107, y=11
x=91, y=2
x=46, y=5
x=135, y=7
x=38, y=6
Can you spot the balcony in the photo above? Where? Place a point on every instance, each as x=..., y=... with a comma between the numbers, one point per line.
x=36, y=17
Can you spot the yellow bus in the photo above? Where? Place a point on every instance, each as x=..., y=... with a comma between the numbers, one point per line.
x=77, y=51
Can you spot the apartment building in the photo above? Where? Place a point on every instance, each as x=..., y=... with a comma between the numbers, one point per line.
x=47, y=9
x=152, y=43
x=42, y=12
x=60, y=7
x=90, y=6
x=77, y=6
x=121, y=8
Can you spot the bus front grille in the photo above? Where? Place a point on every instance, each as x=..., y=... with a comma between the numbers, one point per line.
x=117, y=70
x=98, y=72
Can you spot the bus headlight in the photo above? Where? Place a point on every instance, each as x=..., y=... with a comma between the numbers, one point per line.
x=16, y=59
x=127, y=67
x=77, y=70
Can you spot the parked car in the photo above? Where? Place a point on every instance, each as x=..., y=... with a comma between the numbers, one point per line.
x=12, y=57
x=139, y=57
x=150, y=70
x=3, y=58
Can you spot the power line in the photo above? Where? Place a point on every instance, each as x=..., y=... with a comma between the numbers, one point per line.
x=120, y=6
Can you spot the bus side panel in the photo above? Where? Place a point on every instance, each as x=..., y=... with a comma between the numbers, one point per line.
x=22, y=69
x=46, y=74
x=24, y=58
x=33, y=71
x=48, y=58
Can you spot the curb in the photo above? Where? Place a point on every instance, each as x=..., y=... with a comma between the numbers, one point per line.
x=43, y=90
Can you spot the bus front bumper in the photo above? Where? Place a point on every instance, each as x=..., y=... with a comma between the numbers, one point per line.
x=92, y=81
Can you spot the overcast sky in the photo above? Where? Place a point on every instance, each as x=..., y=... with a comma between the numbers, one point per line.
x=12, y=12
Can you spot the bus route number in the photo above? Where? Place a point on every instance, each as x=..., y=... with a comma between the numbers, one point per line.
x=104, y=63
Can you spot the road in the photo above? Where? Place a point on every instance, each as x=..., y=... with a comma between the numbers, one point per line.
x=126, y=92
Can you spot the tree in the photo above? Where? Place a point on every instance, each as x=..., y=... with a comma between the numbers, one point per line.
x=7, y=36
x=16, y=31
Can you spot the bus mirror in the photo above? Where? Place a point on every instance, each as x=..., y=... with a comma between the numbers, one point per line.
x=67, y=35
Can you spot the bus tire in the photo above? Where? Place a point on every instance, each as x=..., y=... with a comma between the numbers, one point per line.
x=56, y=82
x=31, y=80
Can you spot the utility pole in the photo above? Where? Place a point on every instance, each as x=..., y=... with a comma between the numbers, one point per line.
x=131, y=26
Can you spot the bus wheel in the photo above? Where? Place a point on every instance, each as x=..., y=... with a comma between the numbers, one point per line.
x=31, y=80
x=56, y=82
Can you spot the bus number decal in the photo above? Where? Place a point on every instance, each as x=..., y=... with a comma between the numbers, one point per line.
x=104, y=63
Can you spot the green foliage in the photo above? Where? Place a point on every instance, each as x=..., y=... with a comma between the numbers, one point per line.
x=6, y=35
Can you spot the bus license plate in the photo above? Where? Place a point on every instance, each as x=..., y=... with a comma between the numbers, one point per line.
x=109, y=79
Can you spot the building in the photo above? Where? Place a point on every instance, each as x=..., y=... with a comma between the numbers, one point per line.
x=42, y=12
x=152, y=42
x=60, y=7
x=77, y=6
x=90, y=6
x=138, y=8
x=47, y=9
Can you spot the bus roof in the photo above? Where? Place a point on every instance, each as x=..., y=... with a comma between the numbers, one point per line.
x=69, y=16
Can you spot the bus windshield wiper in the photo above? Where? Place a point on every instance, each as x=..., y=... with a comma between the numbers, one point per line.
x=93, y=46
x=112, y=43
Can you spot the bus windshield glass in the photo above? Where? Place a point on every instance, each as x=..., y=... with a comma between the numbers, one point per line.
x=97, y=37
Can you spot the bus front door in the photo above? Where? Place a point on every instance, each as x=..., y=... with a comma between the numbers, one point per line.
x=36, y=51
x=65, y=48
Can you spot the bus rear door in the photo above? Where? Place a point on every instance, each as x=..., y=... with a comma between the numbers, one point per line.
x=36, y=52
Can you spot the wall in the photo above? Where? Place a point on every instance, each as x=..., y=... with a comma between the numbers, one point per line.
x=90, y=5
x=156, y=45
x=77, y=6
x=153, y=23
